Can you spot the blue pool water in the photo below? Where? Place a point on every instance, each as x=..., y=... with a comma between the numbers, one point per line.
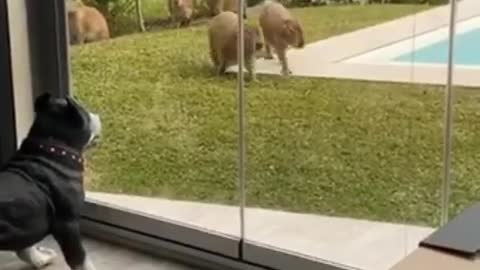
x=467, y=51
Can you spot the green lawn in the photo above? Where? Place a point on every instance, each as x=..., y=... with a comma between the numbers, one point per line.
x=155, y=9
x=337, y=147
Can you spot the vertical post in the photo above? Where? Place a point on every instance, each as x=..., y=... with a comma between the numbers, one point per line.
x=448, y=126
x=62, y=55
x=8, y=136
x=241, y=120
x=140, y=20
x=49, y=40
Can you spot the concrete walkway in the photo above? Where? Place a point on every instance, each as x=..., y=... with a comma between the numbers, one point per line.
x=326, y=58
x=359, y=244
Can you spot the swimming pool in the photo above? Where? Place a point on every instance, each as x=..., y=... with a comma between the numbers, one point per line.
x=466, y=51
x=430, y=48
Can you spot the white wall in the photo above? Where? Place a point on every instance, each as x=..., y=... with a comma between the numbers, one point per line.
x=21, y=72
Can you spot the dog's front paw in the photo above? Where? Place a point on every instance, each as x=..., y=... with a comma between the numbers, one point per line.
x=87, y=265
x=37, y=257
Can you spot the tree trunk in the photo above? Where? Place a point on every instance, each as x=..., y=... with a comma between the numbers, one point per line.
x=140, y=21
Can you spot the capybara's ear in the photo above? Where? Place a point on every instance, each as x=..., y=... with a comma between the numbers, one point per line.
x=259, y=46
x=289, y=26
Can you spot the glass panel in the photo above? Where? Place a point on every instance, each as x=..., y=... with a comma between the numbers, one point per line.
x=465, y=184
x=345, y=154
x=169, y=146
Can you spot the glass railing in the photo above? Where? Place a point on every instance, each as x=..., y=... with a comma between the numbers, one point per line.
x=463, y=185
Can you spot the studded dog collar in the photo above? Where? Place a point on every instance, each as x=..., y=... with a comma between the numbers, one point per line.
x=61, y=151
x=54, y=149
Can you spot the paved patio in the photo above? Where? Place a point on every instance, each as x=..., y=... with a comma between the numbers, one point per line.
x=359, y=244
x=326, y=58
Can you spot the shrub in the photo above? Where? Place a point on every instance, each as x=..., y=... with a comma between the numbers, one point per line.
x=252, y=3
x=120, y=14
x=113, y=7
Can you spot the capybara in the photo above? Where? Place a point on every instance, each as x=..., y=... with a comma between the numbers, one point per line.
x=86, y=24
x=223, y=39
x=181, y=11
x=280, y=30
x=217, y=6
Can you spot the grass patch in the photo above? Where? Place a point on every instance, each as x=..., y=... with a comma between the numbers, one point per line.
x=153, y=9
x=348, y=148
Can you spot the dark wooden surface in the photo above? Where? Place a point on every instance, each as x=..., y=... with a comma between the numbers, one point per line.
x=104, y=256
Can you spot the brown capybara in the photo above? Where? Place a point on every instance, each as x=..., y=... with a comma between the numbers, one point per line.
x=223, y=40
x=217, y=6
x=181, y=11
x=280, y=30
x=86, y=24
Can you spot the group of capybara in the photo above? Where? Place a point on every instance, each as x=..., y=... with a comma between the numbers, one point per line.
x=280, y=30
x=181, y=11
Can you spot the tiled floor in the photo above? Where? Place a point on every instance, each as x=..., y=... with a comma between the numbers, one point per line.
x=104, y=256
x=360, y=244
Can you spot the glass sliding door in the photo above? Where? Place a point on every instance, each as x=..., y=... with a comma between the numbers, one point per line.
x=335, y=155
x=462, y=182
x=344, y=153
x=169, y=147
x=7, y=116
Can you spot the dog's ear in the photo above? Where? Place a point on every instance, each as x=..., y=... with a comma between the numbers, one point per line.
x=75, y=111
x=46, y=102
x=289, y=26
x=42, y=101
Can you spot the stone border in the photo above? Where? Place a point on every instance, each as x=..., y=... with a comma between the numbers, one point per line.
x=329, y=55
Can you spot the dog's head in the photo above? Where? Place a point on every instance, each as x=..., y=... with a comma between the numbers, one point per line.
x=65, y=121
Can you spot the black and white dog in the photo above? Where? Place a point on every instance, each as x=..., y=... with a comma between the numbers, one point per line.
x=41, y=187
